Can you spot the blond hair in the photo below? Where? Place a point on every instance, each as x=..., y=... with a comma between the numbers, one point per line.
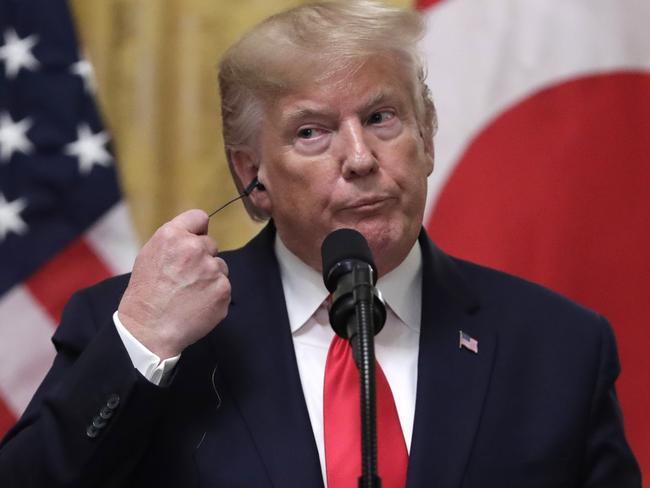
x=309, y=44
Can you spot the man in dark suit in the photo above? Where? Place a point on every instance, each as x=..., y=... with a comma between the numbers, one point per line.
x=201, y=369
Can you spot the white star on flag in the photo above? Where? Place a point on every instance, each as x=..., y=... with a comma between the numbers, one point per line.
x=84, y=69
x=17, y=53
x=13, y=136
x=10, y=220
x=89, y=148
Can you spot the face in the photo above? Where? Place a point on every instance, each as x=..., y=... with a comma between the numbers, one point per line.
x=345, y=153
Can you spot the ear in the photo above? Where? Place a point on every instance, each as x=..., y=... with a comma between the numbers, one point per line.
x=245, y=164
x=429, y=150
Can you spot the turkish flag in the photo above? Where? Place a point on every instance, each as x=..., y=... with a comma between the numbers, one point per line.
x=543, y=158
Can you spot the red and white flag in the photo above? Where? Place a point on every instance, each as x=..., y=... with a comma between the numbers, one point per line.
x=468, y=342
x=543, y=157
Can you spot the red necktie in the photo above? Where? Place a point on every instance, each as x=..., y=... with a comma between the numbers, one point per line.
x=342, y=423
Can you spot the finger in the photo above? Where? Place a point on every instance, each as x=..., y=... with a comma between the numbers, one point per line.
x=194, y=221
x=223, y=266
x=209, y=244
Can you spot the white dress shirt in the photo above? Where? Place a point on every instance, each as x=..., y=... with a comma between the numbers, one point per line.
x=396, y=346
x=146, y=362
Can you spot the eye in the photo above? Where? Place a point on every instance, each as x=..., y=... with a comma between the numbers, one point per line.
x=311, y=140
x=380, y=117
x=309, y=133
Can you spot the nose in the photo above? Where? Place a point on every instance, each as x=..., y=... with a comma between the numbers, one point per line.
x=358, y=158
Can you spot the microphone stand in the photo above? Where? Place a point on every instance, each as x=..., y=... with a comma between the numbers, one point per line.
x=363, y=348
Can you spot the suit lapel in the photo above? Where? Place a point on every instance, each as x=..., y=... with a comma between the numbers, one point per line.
x=256, y=361
x=452, y=382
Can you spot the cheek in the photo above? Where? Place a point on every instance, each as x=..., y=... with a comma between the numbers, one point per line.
x=280, y=175
x=302, y=188
x=409, y=164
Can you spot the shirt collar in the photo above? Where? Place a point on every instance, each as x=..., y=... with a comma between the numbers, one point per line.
x=304, y=290
x=402, y=288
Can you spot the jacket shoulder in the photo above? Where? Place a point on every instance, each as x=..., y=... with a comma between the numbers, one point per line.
x=527, y=313
x=87, y=310
x=495, y=287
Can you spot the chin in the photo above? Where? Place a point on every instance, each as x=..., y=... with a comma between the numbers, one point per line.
x=389, y=242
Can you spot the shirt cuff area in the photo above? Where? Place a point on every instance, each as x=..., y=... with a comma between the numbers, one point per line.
x=146, y=362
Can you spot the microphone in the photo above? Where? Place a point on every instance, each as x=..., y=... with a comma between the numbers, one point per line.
x=357, y=313
x=349, y=273
x=253, y=185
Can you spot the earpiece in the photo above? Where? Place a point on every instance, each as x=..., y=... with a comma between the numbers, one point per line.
x=255, y=184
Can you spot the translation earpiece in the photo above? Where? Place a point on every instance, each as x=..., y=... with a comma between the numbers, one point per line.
x=255, y=184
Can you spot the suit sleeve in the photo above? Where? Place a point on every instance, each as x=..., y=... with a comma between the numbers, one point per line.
x=89, y=421
x=609, y=461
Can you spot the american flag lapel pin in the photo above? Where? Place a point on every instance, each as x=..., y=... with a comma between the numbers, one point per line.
x=468, y=342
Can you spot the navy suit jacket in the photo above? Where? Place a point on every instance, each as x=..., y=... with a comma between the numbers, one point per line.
x=536, y=407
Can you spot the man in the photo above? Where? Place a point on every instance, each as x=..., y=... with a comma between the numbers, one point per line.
x=208, y=369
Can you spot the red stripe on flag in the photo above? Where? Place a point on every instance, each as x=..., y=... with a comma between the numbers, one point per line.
x=425, y=4
x=77, y=266
x=7, y=419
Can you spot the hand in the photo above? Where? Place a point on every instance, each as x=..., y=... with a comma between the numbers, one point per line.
x=179, y=290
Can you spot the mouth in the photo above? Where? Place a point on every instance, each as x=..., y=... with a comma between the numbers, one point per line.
x=369, y=204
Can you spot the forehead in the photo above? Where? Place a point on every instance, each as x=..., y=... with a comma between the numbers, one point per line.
x=374, y=82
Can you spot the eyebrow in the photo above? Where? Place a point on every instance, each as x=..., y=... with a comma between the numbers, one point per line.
x=306, y=112
x=380, y=96
x=301, y=113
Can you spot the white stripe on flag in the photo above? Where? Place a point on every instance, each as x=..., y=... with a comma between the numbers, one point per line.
x=26, y=352
x=113, y=239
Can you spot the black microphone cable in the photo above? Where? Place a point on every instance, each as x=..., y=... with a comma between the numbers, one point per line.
x=255, y=184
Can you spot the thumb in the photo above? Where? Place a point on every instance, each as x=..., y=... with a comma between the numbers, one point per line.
x=194, y=221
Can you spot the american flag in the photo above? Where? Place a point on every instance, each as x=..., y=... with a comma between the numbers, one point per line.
x=62, y=221
x=468, y=342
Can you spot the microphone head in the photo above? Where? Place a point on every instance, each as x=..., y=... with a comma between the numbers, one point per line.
x=340, y=246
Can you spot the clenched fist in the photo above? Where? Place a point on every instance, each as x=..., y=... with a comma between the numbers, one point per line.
x=179, y=290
